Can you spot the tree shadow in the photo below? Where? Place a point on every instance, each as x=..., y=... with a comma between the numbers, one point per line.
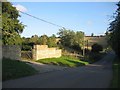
x=76, y=63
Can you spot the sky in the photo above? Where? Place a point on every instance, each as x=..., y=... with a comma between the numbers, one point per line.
x=89, y=17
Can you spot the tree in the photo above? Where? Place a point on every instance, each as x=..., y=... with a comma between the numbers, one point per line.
x=66, y=37
x=79, y=37
x=96, y=48
x=71, y=39
x=34, y=39
x=92, y=34
x=51, y=42
x=11, y=26
x=43, y=40
x=114, y=32
x=26, y=44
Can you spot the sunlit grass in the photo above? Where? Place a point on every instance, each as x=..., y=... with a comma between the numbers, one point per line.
x=63, y=61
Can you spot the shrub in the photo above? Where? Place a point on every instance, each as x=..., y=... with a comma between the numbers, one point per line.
x=96, y=48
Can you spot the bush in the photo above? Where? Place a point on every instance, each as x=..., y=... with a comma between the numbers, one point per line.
x=76, y=47
x=26, y=47
x=96, y=48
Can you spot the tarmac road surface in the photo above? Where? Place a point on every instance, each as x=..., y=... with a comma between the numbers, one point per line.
x=97, y=75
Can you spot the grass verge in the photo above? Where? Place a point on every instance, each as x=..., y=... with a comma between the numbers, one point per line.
x=12, y=69
x=116, y=72
x=63, y=61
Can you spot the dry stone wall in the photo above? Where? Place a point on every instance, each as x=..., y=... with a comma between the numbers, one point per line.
x=42, y=51
x=11, y=51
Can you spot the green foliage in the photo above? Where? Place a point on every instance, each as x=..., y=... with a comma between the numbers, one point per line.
x=63, y=61
x=26, y=47
x=0, y=16
x=27, y=43
x=34, y=39
x=78, y=38
x=43, y=40
x=114, y=32
x=66, y=37
x=11, y=26
x=71, y=39
x=116, y=72
x=96, y=48
x=12, y=69
x=51, y=42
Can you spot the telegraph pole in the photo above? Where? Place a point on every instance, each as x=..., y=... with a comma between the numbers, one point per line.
x=87, y=44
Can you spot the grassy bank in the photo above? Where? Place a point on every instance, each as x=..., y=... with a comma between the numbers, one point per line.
x=12, y=69
x=116, y=72
x=63, y=61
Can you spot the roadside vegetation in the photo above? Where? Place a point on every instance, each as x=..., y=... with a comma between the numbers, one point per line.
x=70, y=42
x=63, y=61
x=95, y=54
x=94, y=57
x=116, y=72
x=12, y=69
x=113, y=32
x=113, y=35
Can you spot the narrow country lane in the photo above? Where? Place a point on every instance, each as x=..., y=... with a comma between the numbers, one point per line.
x=97, y=75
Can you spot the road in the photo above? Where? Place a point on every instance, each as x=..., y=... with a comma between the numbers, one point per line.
x=97, y=75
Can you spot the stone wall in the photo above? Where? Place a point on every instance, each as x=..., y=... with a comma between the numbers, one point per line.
x=42, y=51
x=11, y=52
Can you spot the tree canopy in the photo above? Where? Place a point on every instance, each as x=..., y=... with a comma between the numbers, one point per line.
x=71, y=39
x=27, y=43
x=114, y=32
x=96, y=48
x=51, y=42
x=11, y=26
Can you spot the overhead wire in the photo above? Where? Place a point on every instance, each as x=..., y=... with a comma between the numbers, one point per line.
x=42, y=20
